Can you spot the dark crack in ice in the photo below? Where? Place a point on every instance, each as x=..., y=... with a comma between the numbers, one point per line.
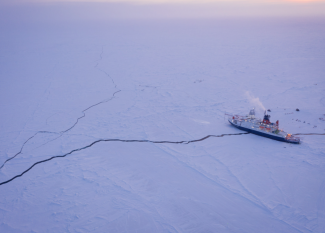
x=77, y=121
x=116, y=140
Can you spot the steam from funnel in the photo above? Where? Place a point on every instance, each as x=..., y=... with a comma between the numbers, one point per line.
x=255, y=101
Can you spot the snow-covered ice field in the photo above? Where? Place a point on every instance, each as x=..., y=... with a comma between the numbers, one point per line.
x=67, y=87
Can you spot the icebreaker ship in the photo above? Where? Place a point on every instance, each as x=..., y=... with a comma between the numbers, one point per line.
x=262, y=127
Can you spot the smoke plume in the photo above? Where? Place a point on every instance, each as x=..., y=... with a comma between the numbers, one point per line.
x=255, y=102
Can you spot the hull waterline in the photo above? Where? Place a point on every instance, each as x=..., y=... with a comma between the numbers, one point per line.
x=281, y=139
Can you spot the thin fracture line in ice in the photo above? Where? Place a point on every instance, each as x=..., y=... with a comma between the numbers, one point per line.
x=116, y=140
x=96, y=66
x=21, y=149
x=61, y=133
x=84, y=114
x=77, y=121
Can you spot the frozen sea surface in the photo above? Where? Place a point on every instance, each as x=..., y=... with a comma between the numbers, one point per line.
x=65, y=86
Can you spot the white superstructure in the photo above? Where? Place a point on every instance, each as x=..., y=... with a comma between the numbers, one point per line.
x=261, y=127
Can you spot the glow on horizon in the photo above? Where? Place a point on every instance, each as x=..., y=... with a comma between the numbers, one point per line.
x=173, y=1
x=191, y=1
x=162, y=9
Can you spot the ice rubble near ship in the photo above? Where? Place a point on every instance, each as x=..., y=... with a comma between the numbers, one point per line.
x=263, y=128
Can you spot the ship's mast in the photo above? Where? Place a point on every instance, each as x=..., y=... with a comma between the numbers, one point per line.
x=266, y=119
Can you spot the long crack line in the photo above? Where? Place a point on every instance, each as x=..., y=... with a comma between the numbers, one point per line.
x=22, y=147
x=77, y=121
x=116, y=140
x=61, y=133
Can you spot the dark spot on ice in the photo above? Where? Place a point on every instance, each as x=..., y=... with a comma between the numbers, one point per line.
x=198, y=81
x=269, y=110
x=297, y=110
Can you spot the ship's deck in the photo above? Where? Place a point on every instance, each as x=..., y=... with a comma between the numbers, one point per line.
x=256, y=126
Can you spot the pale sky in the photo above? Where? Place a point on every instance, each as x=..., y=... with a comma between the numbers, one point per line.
x=101, y=9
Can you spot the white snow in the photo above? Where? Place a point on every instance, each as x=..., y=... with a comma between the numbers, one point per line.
x=67, y=85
